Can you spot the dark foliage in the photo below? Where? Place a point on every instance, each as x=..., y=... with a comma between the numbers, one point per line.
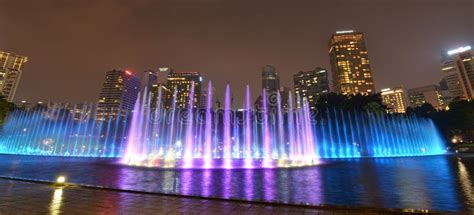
x=5, y=108
x=361, y=103
x=457, y=121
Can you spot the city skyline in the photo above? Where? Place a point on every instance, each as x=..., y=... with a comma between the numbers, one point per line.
x=233, y=55
x=237, y=106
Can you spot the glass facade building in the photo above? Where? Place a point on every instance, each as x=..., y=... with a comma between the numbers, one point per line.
x=350, y=67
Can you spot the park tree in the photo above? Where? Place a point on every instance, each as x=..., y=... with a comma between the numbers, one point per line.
x=358, y=102
x=5, y=108
x=424, y=110
x=458, y=120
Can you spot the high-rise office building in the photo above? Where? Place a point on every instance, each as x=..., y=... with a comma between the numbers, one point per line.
x=284, y=96
x=271, y=85
x=311, y=84
x=166, y=94
x=80, y=111
x=205, y=95
x=150, y=83
x=151, y=78
x=182, y=82
x=446, y=97
x=11, y=69
x=270, y=79
x=458, y=70
x=426, y=94
x=350, y=66
x=394, y=99
x=118, y=95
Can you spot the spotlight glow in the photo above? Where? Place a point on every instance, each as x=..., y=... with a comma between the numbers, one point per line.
x=459, y=50
x=61, y=180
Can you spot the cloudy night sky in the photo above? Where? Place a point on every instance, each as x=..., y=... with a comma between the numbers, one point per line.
x=72, y=43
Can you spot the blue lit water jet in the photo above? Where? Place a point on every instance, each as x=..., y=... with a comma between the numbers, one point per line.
x=253, y=137
x=273, y=137
x=61, y=131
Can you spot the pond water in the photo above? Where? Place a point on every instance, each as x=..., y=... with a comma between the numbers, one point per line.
x=443, y=183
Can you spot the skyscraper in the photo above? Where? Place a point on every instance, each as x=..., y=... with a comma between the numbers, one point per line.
x=151, y=78
x=394, y=99
x=350, y=66
x=11, y=69
x=458, y=70
x=271, y=85
x=183, y=82
x=311, y=84
x=118, y=95
x=426, y=94
x=152, y=85
x=270, y=79
x=444, y=91
x=284, y=96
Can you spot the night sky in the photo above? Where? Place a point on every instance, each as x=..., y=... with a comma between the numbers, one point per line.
x=71, y=44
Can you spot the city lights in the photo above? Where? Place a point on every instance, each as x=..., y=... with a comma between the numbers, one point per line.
x=219, y=107
x=459, y=50
x=345, y=32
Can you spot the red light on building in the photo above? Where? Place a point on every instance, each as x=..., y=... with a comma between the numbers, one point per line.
x=128, y=72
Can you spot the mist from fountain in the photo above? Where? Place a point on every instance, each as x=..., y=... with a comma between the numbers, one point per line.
x=58, y=130
x=272, y=135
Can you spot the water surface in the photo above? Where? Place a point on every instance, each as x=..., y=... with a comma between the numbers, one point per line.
x=444, y=183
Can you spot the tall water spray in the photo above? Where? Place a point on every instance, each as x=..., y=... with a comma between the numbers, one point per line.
x=63, y=130
x=276, y=133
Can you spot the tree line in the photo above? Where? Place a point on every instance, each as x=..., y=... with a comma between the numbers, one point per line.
x=455, y=121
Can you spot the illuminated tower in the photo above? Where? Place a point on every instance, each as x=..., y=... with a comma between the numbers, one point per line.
x=394, y=99
x=271, y=84
x=11, y=68
x=270, y=79
x=151, y=78
x=311, y=84
x=118, y=95
x=458, y=70
x=182, y=82
x=426, y=94
x=154, y=86
x=350, y=66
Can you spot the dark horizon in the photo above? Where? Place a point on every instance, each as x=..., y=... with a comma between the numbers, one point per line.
x=71, y=44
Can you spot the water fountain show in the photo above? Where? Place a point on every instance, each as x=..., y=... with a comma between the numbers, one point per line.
x=279, y=131
x=62, y=130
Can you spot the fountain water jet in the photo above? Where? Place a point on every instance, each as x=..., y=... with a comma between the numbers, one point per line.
x=272, y=136
x=63, y=130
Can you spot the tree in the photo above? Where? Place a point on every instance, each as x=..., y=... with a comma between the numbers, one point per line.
x=5, y=108
x=461, y=118
x=425, y=110
x=358, y=102
x=374, y=107
x=331, y=100
x=457, y=121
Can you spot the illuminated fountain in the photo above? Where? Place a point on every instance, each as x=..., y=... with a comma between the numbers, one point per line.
x=62, y=130
x=276, y=133
x=267, y=136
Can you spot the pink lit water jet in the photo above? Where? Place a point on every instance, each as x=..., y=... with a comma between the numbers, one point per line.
x=266, y=137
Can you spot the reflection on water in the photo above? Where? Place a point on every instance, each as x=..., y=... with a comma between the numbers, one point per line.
x=438, y=182
x=56, y=202
x=466, y=184
x=249, y=188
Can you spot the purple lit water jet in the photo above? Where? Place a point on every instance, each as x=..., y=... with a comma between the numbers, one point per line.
x=270, y=136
